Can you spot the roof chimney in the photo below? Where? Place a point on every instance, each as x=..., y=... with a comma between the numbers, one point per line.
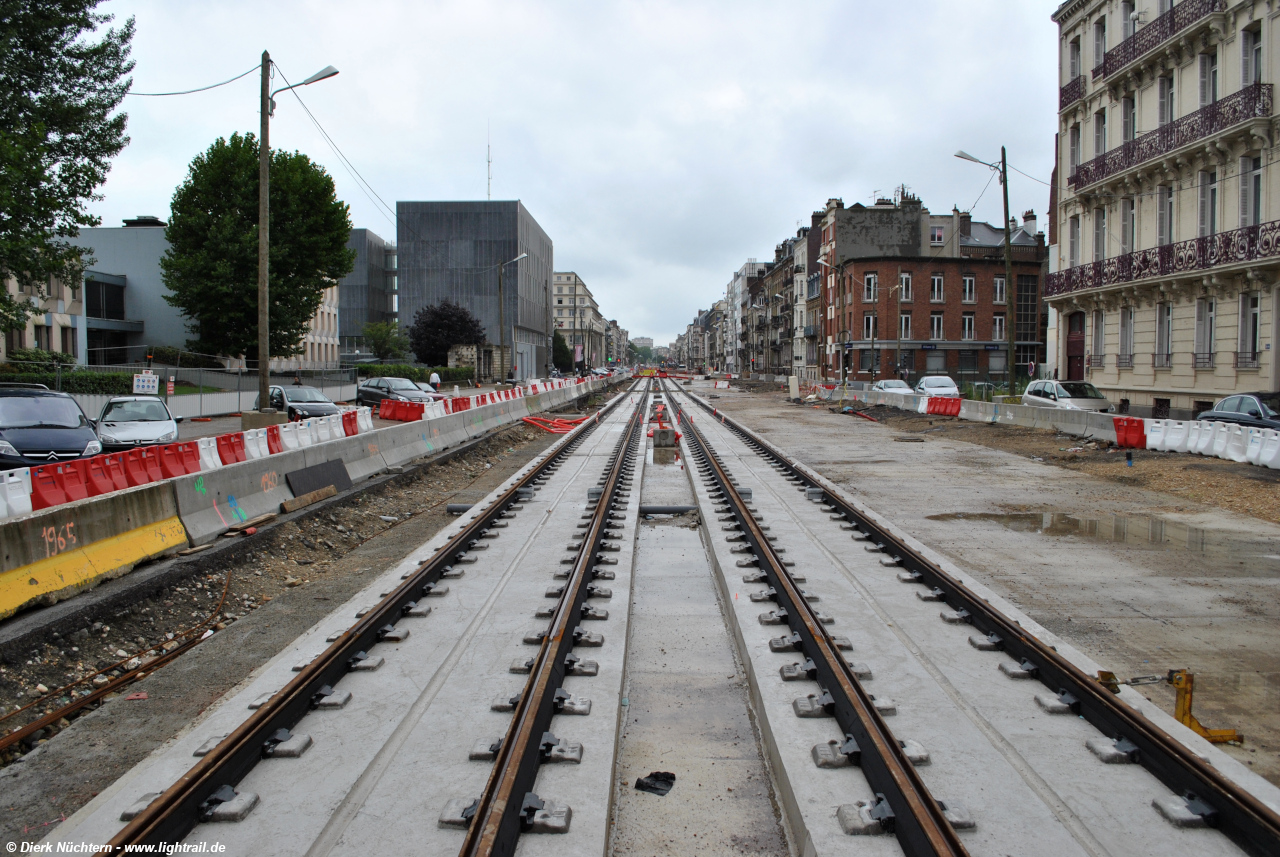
x=965, y=219
x=1029, y=222
x=145, y=220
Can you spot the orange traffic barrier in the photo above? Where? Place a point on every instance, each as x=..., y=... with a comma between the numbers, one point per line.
x=45, y=489
x=274, y=445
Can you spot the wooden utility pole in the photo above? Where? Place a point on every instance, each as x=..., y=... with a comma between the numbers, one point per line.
x=264, y=231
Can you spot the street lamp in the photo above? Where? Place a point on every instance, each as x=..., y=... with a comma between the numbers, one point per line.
x=264, y=227
x=502, y=323
x=1010, y=295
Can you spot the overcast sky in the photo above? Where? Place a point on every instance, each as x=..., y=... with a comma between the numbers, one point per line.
x=659, y=144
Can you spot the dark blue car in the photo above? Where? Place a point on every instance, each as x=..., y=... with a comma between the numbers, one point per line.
x=39, y=426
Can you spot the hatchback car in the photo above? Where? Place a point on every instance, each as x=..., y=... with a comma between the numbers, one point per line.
x=40, y=426
x=1252, y=410
x=1068, y=395
x=301, y=403
x=374, y=390
x=429, y=390
x=129, y=421
x=891, y=385
x=937, y=385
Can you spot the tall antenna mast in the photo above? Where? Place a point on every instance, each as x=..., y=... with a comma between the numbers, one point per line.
x=489, y=155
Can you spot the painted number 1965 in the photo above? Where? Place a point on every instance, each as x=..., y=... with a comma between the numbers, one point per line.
x=58, y=539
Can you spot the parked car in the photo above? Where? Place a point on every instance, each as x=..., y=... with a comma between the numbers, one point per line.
x=374, y=390
x=429, y=390
x=891, y=385
x=1252, y=410
x=129, y=421
x=1069, y=395
x=937, y=385
x=40, y=426
x=300, y=402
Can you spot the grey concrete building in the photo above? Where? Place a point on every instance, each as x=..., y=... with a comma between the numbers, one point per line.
x=452, y=250
x=368, y=294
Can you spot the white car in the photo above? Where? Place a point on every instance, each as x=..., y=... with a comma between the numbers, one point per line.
x=129, y=421
x=939, y=386
x=1068, y=395
x=891, y=385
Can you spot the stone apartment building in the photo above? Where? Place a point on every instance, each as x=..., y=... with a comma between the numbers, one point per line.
x=908, y=293
x=577, y=315
x=1167, y=216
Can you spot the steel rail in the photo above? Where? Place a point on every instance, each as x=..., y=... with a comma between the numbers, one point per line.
x=917, y=819
x=1222, y=803
x=507, y=804
x=172, y=815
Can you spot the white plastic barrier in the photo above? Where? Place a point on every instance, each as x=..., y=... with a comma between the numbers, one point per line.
x=336, y=431
x=1204, y=439
x=1237, y=444
x=251, y=448
x=1155, y=434
x=1270, y=454
x=1175, y=435
x=306, y=434
x=321, y=430
x=289, y=436
x=14, y=494
x=924, y=405
x=1221, y=434
x=364, y=419
x=1253, y=449
x=209, y=458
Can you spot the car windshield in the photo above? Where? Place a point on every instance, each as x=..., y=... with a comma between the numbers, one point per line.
x=400, y=384
x=938, y=382
x=1078, y=390
x=138, y=411
x=39, y=412
x=896, y=385
x=1270, y=405
x=304, y=394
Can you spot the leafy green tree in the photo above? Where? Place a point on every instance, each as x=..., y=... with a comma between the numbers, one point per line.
x=561, y=353
x=61, y=80
x=438, y=328
x=211, y=267
x=385, y=340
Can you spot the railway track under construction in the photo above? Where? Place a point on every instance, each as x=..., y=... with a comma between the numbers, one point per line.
x=471, y=701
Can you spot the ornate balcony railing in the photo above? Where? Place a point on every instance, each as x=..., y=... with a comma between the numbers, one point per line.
x=1247, y=244
x=1072, y=92
x=1246, y=360
x=1251, y=102
x=810, y=330
x=1203, y=360
x=1156, y=33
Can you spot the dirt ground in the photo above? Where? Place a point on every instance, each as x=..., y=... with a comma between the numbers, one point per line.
x=1171, y=563
x=297, y=573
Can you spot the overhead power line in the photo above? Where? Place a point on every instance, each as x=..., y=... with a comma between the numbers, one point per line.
x=201, y=89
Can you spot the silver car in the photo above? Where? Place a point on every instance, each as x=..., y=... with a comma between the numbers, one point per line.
x=129, y=421
x=1069, y=395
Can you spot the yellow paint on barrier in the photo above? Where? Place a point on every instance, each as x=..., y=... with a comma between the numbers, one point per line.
x=70, y=569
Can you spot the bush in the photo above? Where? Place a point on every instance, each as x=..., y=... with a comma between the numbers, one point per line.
x=87, y=383
x=42, y=358
x=456, y=375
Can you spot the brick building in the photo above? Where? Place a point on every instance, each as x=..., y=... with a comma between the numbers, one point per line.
x=909, y=293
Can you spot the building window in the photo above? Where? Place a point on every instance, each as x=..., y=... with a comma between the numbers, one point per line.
x=935, y=325
x=935, y=288
x=1206, y=313
x=1164, y=335
x=1208, y=204
x=1126, y=18
x=1099, y=42
x=968, y=289
x=1073, y=58
x=869, y=326
x=1099, y=234
x=869, y=284
x=1164, y=215
x=904, y=287
x=1167, y=105
x=997, y=328
x=1073, y=148
x=1128, y=118
x=935, y=235
x=1099, y=334
x=1073, y=242
x=1099, y=133
x=904, y=326
x=1250, y=326
x=1125, y=355
x=1128, y=225
x=966, y=326
x=998, y=292
x=1251, y=54
x=1208, y=79
x=42, y=336
x=1250, y=191
x=69, y=341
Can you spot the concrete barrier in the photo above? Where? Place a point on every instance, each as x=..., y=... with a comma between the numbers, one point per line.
x=54, y=553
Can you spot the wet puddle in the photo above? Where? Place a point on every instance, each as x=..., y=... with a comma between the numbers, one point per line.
x=1218, y=551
